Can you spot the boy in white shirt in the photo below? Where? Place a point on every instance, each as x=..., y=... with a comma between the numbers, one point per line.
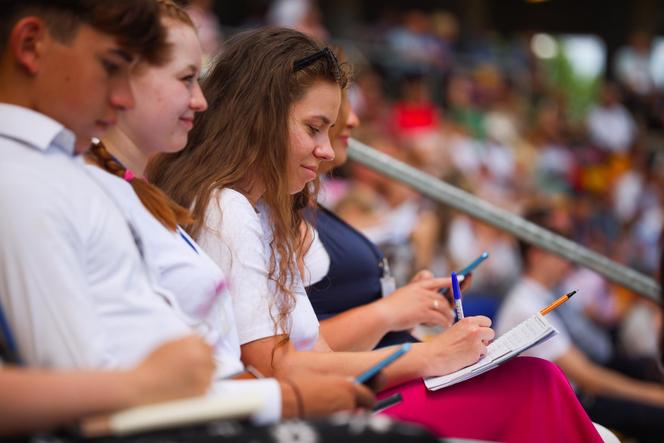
x=72, y=280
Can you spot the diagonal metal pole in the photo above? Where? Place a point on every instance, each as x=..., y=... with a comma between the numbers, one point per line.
x=504, y=220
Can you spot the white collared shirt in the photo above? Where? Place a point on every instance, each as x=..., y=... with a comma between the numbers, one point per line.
x=72, y=282
x=198, y=288
x=187, y=277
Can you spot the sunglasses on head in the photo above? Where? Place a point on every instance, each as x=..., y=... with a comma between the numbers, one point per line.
x=325, y=53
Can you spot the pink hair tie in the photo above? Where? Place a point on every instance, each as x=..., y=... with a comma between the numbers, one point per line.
x=129, y=175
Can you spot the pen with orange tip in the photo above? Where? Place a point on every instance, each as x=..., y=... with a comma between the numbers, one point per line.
x=557, y=303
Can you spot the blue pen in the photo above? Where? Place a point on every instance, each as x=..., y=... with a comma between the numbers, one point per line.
x=462, y=274
x=468, y=269
x=458, y=307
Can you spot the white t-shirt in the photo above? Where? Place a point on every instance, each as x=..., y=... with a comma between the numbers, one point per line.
x=184, y=273
x=612, y=128
x=198, y=290
x=237, y=237
x=522, y=302
x=316, y=261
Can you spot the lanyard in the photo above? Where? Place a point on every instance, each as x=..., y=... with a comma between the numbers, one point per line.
x=186, y=239
x=387, y=281
x=8, y=349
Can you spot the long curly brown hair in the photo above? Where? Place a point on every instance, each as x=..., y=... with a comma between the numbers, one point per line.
x=243, y=136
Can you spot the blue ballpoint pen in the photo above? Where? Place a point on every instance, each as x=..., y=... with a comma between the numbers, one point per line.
x=467, y=270
x=458, y=307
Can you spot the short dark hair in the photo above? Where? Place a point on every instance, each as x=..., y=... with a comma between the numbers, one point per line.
x=135, y=24
x=543, y=217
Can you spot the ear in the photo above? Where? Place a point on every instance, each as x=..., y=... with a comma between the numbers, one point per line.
x=27, y=41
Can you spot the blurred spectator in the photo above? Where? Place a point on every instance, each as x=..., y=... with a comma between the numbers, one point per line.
x=207, y=24
x=632, y=65
x=554, y=162
x=467, y=239
x=628, y=395
x=445, y=28
x=599, y=301
x=303, y=15
x=415, y=113
x=635, y=336
x=637, y=202
x=416, y=45
x=370, y=103
x=610, y=126
x=594, y=223
x=461, y=105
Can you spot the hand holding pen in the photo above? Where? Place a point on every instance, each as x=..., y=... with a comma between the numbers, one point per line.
x=459, y=346
x=464, y=274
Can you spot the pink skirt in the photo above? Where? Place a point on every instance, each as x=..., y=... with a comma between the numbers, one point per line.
x=524, y=400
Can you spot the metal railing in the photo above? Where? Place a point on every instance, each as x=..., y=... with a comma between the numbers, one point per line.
x=504, y=220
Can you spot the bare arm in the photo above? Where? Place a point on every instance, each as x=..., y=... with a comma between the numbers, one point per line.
x=36, y=400
x=289, y=361
x=460, y=346
x=599, y=380
x=29, y=396
x=321, y=395
x=358, y=329
x=361, y=328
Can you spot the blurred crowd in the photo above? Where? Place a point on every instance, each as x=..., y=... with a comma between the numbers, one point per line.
x=484, y=113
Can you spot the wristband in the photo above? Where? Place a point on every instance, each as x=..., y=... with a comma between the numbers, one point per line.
x=298, y=396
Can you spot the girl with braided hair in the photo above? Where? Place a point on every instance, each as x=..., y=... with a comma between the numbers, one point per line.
x=167, y=98
x=156, y=131
x=249, y=167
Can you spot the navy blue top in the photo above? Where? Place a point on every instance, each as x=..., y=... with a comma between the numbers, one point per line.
x=354, y=276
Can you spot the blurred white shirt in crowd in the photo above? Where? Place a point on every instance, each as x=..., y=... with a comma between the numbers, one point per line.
x=612, y=128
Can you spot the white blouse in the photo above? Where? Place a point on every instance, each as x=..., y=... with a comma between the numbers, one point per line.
x=238, y=237
x=184, y=274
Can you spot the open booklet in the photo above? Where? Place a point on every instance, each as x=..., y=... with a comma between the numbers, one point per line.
x=525, y=335
x=177, y=413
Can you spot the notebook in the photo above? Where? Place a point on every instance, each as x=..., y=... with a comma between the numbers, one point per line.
x=172, y=414
x=525, y=335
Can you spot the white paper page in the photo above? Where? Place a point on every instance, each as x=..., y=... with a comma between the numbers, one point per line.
x=526, y=334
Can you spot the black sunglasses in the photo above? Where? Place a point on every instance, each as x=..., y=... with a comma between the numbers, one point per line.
x=325, y=53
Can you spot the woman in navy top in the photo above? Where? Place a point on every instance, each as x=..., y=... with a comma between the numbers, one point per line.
x=353, y=278
x=352, y=292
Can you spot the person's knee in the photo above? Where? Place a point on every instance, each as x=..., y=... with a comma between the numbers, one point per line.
x=538, y=368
